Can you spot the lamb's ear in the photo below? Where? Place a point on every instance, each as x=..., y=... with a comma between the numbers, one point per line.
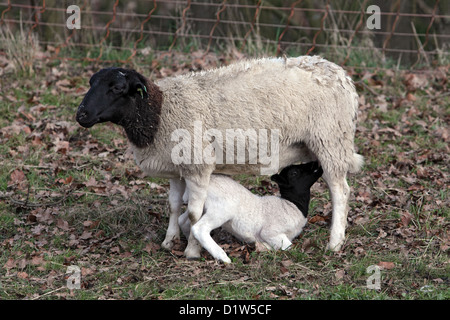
x=319, y=171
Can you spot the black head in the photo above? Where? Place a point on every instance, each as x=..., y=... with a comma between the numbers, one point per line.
x=300, y=177
x=123, y=97
x=296, y=181
x=112, y=91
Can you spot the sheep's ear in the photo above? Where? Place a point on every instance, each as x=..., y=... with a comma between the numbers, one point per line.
x=140, y=88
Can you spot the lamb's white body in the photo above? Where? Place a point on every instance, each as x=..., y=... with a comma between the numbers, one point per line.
x=269, y=220
x=309, y=100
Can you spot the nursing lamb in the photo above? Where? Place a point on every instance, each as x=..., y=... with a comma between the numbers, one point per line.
x=307, y=105
x=271, y=221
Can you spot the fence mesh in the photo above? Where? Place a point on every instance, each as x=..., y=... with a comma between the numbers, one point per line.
x=409, y=33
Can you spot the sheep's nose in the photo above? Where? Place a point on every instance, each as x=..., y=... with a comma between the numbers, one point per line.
x=81, y=114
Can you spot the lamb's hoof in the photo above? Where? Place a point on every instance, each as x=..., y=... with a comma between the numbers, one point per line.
x=225, y=260
x=168, y=244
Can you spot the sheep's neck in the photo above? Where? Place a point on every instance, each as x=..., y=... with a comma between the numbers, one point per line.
x=300, y=200
x=141, y=124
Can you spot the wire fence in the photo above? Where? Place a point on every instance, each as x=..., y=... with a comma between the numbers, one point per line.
x=352, y=33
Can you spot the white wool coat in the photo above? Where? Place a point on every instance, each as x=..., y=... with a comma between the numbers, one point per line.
x=311, y=101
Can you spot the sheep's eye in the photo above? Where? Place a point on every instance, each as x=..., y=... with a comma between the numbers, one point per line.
x=294, y=173
x=117, y=89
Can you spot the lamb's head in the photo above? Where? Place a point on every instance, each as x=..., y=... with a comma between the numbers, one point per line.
x=300, y=177
x=123, y=97
x=295, y=183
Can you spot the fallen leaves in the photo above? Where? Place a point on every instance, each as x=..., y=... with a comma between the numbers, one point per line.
x=397, y=203
x=22, y=263
x=415, y=81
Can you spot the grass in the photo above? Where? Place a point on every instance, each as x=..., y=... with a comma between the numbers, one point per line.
x=88, y=205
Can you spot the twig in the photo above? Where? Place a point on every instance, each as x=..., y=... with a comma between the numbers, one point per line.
x=368, y=88
x=47, y=293
x=26, y=203
x=420, y=49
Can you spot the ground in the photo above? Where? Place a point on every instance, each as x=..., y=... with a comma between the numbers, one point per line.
x=71, y=196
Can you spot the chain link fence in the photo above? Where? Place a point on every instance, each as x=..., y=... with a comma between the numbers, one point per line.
x=359, y=34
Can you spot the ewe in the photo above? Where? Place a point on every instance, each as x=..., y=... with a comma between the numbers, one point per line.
x=307, y=103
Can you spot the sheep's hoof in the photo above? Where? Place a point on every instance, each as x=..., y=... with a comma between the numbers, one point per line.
x=192, y=254
x=193, y=258
x=335, y=247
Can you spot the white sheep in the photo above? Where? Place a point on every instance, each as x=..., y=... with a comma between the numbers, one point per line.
x=271, y=221
x=307, y=103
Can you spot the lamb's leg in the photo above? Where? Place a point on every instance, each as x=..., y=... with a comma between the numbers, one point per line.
x=177, y=187
x=202, y=232
x=279, y=242
x=340, y=191
x=272, y=238
x=198, y=189
x=185, y=225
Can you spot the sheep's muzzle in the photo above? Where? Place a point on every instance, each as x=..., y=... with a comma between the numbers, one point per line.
x=83, y=117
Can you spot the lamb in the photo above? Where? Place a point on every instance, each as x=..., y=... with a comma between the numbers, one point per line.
x=271, y=221
x=307, y=105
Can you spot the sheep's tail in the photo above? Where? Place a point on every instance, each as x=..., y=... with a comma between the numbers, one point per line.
x=356, y=163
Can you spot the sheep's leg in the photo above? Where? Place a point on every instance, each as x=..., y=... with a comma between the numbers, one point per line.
x=202, y=232
x=340, y=191
x=177, y=187
x=197, y=196
x=185, y=225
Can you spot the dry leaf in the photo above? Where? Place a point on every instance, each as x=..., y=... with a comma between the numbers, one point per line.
x=415, y=81
x=17, y=176
x=62, y=224
x=386, y=265
x=152, y=248
x=406, y=218
x=86, y=235
x=37, y=260
x=61, y=146
x=381, y=103
x=316, y=218
x=339, y=274
x=11, y=263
